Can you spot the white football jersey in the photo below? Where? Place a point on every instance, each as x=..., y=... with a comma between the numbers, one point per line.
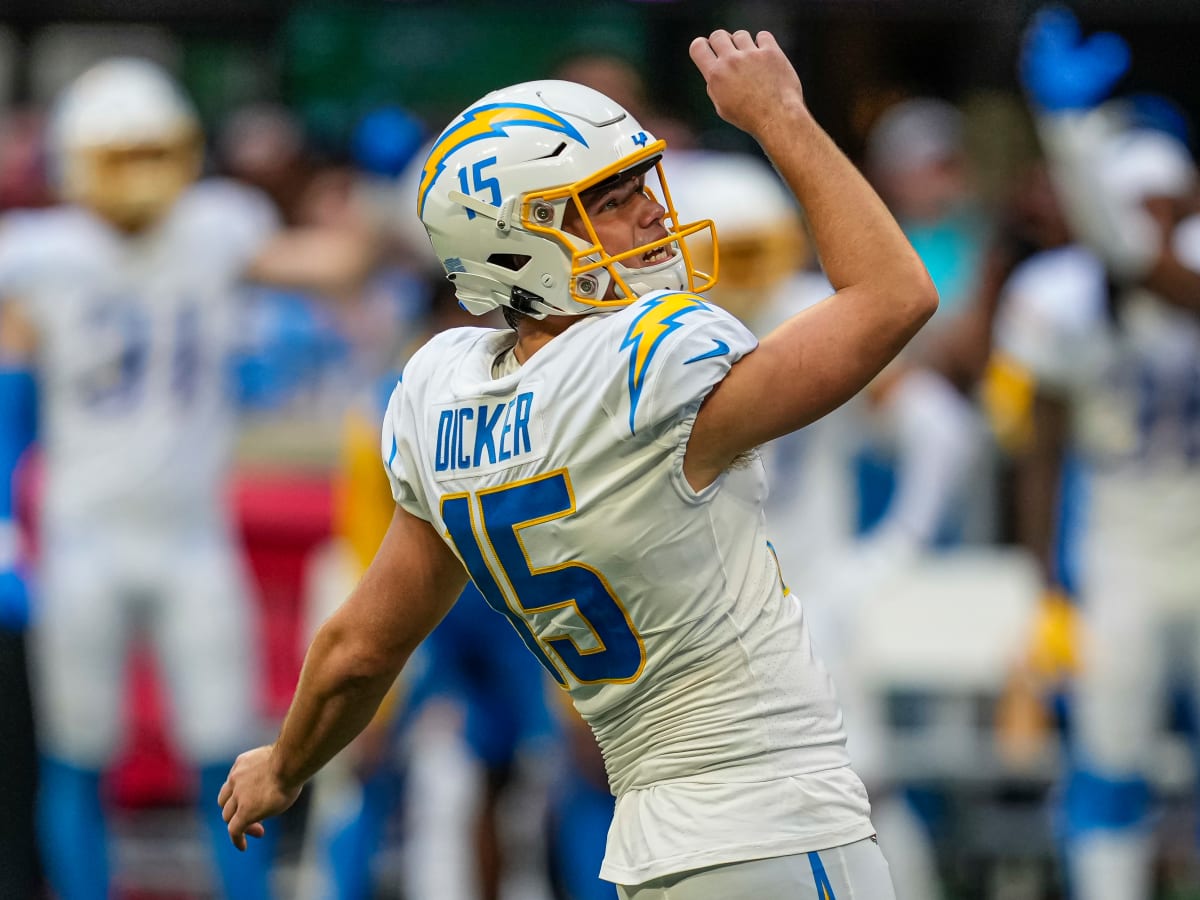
x=560, y=486
x=1132, y=379
x=134, y=336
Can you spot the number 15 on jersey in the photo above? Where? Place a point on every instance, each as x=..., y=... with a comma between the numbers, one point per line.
x=494, y=518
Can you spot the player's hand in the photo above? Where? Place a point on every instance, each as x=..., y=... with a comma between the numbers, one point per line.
x=750, y=81
x=1062, y=71
x=253, y=792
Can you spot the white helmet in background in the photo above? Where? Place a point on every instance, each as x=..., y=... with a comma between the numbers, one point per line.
x=1142, y=162
x=763, y=241
x=1132, y=167
x=498, y=181
x=124, y=142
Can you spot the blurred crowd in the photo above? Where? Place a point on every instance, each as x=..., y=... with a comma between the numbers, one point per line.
x=997, y=543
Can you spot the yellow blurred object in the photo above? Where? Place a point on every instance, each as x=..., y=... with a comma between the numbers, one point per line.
x=133, y=186
x=1007, y=394
x=1022, y=714
x=1054, y=654
x=761, y=241
x=363, y=504
x=753, y=263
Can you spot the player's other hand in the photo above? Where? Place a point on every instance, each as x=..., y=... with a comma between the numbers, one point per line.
x=253, y=792
x=750, y=81
x=1061, y=70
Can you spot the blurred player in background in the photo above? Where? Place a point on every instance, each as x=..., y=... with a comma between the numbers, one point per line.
x=602, y=449
x=830, y=560
x=916, y=158
x=1118, y=373
x=122, y=303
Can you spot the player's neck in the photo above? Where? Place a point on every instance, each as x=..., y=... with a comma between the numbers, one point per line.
x=534, y=334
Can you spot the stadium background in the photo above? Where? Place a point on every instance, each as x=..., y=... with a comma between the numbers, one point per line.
x=331, y=64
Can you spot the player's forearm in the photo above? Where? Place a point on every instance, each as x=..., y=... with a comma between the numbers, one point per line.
x=329, y=261
x=339, y=691
x=858, y=241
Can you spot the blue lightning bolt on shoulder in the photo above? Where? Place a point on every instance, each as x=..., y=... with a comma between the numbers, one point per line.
x=658, y=318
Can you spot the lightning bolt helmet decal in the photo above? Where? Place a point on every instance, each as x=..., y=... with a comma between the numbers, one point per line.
x=486, y=121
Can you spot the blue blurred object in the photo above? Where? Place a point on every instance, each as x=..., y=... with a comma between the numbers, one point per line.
x=72, y=831
x=477, y=660
x=243, y=876
x=289, y=341
x=14, y=601
x=580, y=814
x=385, y=140
x=18, y=422
x=1095, y=802
x=1061, y=70
x=1159, y=113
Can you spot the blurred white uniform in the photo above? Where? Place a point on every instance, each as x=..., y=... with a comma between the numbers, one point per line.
x=1132, y=381
x=719, y=729
x=134, y=334
x=930, y=431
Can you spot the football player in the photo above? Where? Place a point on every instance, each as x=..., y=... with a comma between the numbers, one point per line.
x=122, y=300
x=1117, y=367
x=593, y=470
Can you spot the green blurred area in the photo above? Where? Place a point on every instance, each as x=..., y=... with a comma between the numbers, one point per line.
x=333, y=62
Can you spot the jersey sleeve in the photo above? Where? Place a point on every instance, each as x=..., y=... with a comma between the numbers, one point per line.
x=675, y=347
x=1052, y=316
x=400, y=457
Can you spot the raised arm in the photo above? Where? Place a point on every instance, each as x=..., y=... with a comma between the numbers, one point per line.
x=353, y=660
x=820, y=358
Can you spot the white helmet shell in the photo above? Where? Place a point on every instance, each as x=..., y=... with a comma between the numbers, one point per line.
x=119, y=106
x=1142, y=162
x=122, y=101
x=496, y=185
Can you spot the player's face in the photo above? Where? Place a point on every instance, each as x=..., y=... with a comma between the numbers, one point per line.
x=624, y=215
x=133, y=187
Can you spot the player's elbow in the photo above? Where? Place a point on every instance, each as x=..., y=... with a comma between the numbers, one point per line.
x=902, y=299
x=917, y=295
x=354, y=656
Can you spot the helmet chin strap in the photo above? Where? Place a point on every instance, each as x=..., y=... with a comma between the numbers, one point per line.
x=670, y=275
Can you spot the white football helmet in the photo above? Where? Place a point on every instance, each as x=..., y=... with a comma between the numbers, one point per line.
x=124, y=141
x=498, y=181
